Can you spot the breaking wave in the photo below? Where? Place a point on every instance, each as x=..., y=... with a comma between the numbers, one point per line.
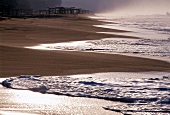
x=145, y=95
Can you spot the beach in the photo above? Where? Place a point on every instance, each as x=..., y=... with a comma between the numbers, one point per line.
x=22, y=102
x=19, y=33
x=16, y=60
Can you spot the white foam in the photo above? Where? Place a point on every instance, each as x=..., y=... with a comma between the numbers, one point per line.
x=154, y=42
x=146, y=48
x=143, y=91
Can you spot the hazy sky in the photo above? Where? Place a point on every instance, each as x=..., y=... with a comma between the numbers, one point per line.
x=122, y=6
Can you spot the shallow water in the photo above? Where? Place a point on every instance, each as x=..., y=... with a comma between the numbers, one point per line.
x=160, y=24
x=153, y=31
x=147, y=48
x=24, y=102
x=141, y=92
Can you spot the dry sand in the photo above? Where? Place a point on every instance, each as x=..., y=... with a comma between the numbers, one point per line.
x=15, y=60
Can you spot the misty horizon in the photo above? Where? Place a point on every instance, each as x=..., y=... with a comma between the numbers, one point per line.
x=106, y=7
x=122, y=7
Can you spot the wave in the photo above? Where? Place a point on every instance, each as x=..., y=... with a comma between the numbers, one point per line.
x=139, y=95
x=158, y=23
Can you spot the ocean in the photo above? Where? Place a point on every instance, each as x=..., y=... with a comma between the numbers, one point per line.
x=141, y=93
x=153, y=31
x=158, y=23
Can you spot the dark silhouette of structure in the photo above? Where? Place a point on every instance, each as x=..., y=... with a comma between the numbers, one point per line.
x=67, y=10
x=18, y=7
x=50, y=11
x=33, y=8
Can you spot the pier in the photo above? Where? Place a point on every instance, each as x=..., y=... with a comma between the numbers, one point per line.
x=50, y=11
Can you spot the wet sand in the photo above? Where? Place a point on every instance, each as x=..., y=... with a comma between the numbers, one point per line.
x=18, y=33
x=23, y=102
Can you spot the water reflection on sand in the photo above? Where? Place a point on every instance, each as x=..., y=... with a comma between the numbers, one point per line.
x=23, y=102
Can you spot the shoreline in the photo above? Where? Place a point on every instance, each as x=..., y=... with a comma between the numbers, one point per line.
x=18, y=102
x=63, y=104
x=74, y=46
x=17, y=60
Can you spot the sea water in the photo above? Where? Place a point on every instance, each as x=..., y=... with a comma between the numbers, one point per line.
x=158, y=23
x=141, y=93
x=153, y=31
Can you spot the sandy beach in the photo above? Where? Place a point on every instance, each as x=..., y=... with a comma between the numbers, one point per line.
x=18, y=33
x=15, y=60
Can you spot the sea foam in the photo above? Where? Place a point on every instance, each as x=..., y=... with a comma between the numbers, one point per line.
x=142, y=95
x=153, y=33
